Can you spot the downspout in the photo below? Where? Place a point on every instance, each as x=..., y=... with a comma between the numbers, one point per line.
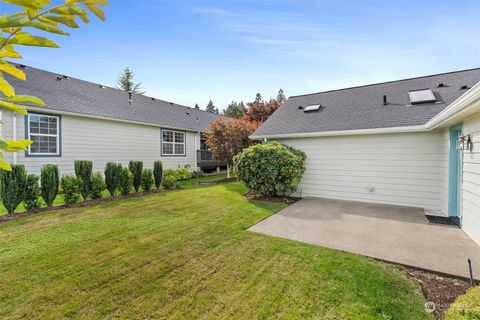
x=14, y=135
x=196, y=150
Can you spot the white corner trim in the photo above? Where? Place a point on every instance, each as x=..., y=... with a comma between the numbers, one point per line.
x=342, y=133
x=468, y=102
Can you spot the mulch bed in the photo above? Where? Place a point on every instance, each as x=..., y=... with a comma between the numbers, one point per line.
x=259, y=197
x=442, y=290
x=82, y=204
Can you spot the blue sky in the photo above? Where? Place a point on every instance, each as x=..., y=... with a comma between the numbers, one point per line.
x=193, y=51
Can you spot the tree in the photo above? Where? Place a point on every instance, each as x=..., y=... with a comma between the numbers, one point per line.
x=210, y=107
x=234, y=110
x=196, y=106
x=217, y=111
x=228, y=137
x=37, y=15
x=259, y=111
x=258, y=98
x=281, y=96
x=125, y=82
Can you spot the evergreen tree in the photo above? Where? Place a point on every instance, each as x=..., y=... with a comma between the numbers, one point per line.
x=234, y=110
x=125, y=82
x=281, y=96
x=210, y=107
x=217, y=111
x=196, y=106
x=258, y=98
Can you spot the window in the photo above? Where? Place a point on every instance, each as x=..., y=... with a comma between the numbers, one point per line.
x=44, y=131
x=421, y=96
x=173, y=143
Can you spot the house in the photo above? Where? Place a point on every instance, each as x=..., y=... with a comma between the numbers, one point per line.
x=412, y=142
x=82, y=120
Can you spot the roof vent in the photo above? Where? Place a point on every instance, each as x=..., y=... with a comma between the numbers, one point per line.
x=101, y=86
x=421, y=96
x=385, y=100
x=65, y=77
x=313, y=108
x=171, y=103
x=300, y=107
x=441, y=85
x=464, y=87
x=130, y=95
x=188, y=113
x=59, y=78
x=153, y=99
x=22, y=66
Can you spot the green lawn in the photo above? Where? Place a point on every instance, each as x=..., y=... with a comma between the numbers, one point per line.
x=187, y=255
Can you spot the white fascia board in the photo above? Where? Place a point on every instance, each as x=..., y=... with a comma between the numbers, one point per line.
x=341, y=133
x=51, y=111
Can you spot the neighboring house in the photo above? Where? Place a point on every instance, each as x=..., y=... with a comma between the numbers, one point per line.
x=87, y=121
x=395, y=143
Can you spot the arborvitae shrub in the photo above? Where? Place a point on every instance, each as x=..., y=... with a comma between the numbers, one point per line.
x=147, y=179
x=71, y=187
x=32, y=192
x=12, y=187
x=136, y=169
x=97, y=186
x=125, y=181
x=113, y=172
x=49, y=181
x=83, y=170
x=158, y=173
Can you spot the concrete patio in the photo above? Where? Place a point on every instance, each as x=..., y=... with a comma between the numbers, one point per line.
x=392, y=233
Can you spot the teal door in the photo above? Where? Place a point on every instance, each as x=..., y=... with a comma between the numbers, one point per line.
x=455, y=169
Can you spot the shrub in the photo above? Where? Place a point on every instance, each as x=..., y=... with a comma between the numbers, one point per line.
x=72, y=187
x=83, y=170
x=198, y=174
x=466, y=306
x=170, y=173
x=136, y=169
x=49, y=181
x=125, y=181
x=169, y=182
x=158, y=173
x=97, y=186
x=271, y=169
x=32, y=192
x=12, y=187
x=147, y=179
x=113, y=172
x=183, y=173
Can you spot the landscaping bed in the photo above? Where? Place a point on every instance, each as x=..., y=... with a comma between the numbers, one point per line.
x=259, y=197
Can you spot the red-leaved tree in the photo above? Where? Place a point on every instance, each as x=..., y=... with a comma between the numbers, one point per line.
x=259, y=110
x=227, y=137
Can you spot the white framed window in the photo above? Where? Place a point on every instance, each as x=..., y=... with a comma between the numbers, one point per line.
x=44, y=131
x=173, y=143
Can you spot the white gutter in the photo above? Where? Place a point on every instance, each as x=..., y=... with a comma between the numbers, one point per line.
x=461, y=108
x=341, y=133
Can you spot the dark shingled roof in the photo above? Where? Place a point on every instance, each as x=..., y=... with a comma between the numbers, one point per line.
x=362, y=107
x=83, y=97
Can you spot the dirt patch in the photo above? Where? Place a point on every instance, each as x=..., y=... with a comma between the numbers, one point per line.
x=259, y=197
x=441, y=290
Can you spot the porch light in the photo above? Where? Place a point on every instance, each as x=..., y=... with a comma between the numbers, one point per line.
x=465, y=142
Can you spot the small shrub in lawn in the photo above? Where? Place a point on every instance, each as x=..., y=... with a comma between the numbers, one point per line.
x=465, y=307
x=97, y=186
x=147, y=180
x=72, y=188
x=136, y=169
x=83, y=170
x=12, y=187
x=32, y=192
x=271, y=169
x=183, y=173
x=49, y=181
x=126, y=181
x=198, y=174
x=169, y=182
x=158, y=173
x=113, y=172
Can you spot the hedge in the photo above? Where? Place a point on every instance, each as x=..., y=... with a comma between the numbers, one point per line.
x=50, y=181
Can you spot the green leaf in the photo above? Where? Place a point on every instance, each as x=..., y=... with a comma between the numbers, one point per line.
x=15, y=146
x=49, y=28
x=27, y=99
x=97, y=11
x=6, y=88
x=67, y=20
x=69, y=10
x=26, y=39
x=34, y=4
x=4, y=165
x=12, y=70
x=9, y=52
x=13, y=107
x=13, y=20
x=31, y=13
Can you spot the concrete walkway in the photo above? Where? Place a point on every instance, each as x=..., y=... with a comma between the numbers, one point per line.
x=397, y=234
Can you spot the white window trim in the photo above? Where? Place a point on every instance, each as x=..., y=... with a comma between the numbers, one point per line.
x=30, y=153
x=184, y=143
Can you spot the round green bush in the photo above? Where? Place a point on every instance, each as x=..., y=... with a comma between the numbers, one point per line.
x=97, y=186
x=169, y=182
x=272, y=169
x=466, y=306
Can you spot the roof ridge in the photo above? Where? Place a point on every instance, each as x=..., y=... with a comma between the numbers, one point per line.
x=385, y=82
x=107, y=86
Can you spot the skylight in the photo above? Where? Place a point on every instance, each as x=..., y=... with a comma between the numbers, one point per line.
x=312, y=108
x=421, y=96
